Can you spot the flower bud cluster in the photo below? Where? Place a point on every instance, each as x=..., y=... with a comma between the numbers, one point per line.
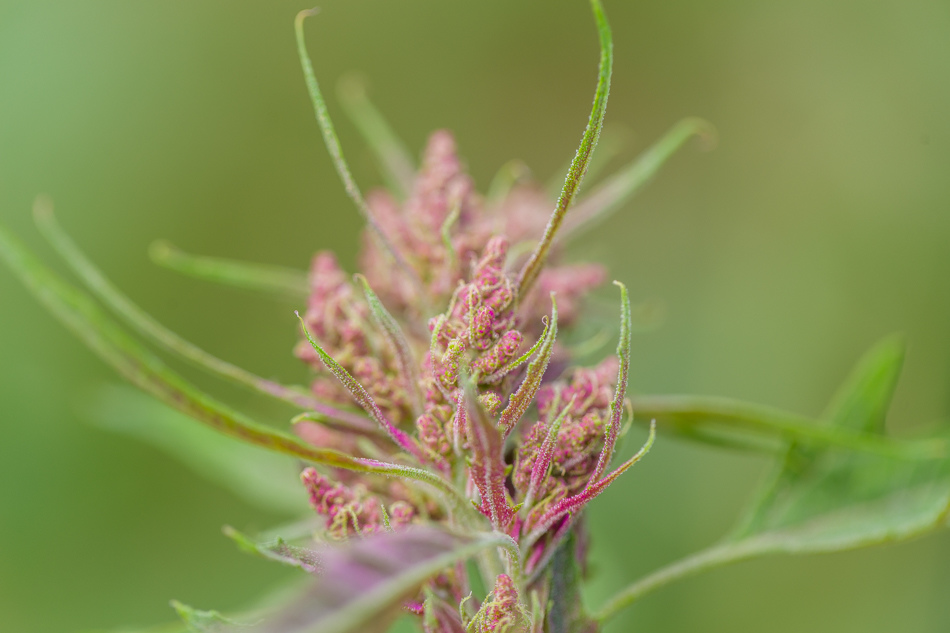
x=584, y=402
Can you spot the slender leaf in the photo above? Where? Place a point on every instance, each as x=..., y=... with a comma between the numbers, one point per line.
x=398, y=167
x=143, y=323
x=522, y=398
x=615, y=191
x=487, y=465
x=620, y=392
x=575, y=175
x=287, y=282
x=143, y=369
x=363, y=398
x=276, y=549
x=199, y=621
x=336, y=152
x=366, y=582
x=728, y=421
x=407, y=365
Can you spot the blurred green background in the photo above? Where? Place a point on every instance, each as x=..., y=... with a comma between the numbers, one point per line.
x=818, y=225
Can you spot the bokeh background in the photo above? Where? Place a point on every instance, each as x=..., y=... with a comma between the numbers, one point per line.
x=818, y=225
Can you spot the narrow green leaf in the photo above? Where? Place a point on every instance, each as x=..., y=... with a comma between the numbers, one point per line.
x=616, y=405
x=508, y=175
x=143, y=323
x=336, y=152
x=276, y=549
x=366, y=581
x=522, y=398
x=143, y=369
x=406, y=364
x=363, y=398
x=231, y=272
x=532, y=268
x=399, y=169
x=611, y=143
x=861, y=403
x=205, y=621
x=609, y=196
x=267, y=480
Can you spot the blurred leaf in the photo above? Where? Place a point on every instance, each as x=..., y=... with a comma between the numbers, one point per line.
x=829, y=499
x=205, y=621
x=287, y=282
x=142, y=321
x=145, y=370
x=277, y=549
x=399, y=169
x=825, y=500
x=265, y=479
x=363, y=584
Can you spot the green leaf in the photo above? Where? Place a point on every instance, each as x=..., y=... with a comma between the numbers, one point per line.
x=282, y=281
x=335, y=150
x=275, y=548
x=616, y=190
x=398, y=167
x=363, y=584
x=205, y=621
x=824, y=499
x=143, y=369
x=575, y=175
x=147, y=326
x=267, y=480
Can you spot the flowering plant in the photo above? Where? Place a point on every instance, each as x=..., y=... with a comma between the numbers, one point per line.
x=448, y=444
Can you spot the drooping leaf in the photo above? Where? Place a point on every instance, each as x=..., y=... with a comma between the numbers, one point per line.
x=278, y=280
x=575, y=175
x=146, y=325
x=266, y=479
x=831, y=498
x=143, y=369
x=363, y=584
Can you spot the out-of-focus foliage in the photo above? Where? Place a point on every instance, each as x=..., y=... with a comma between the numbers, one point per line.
x=816, y=227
